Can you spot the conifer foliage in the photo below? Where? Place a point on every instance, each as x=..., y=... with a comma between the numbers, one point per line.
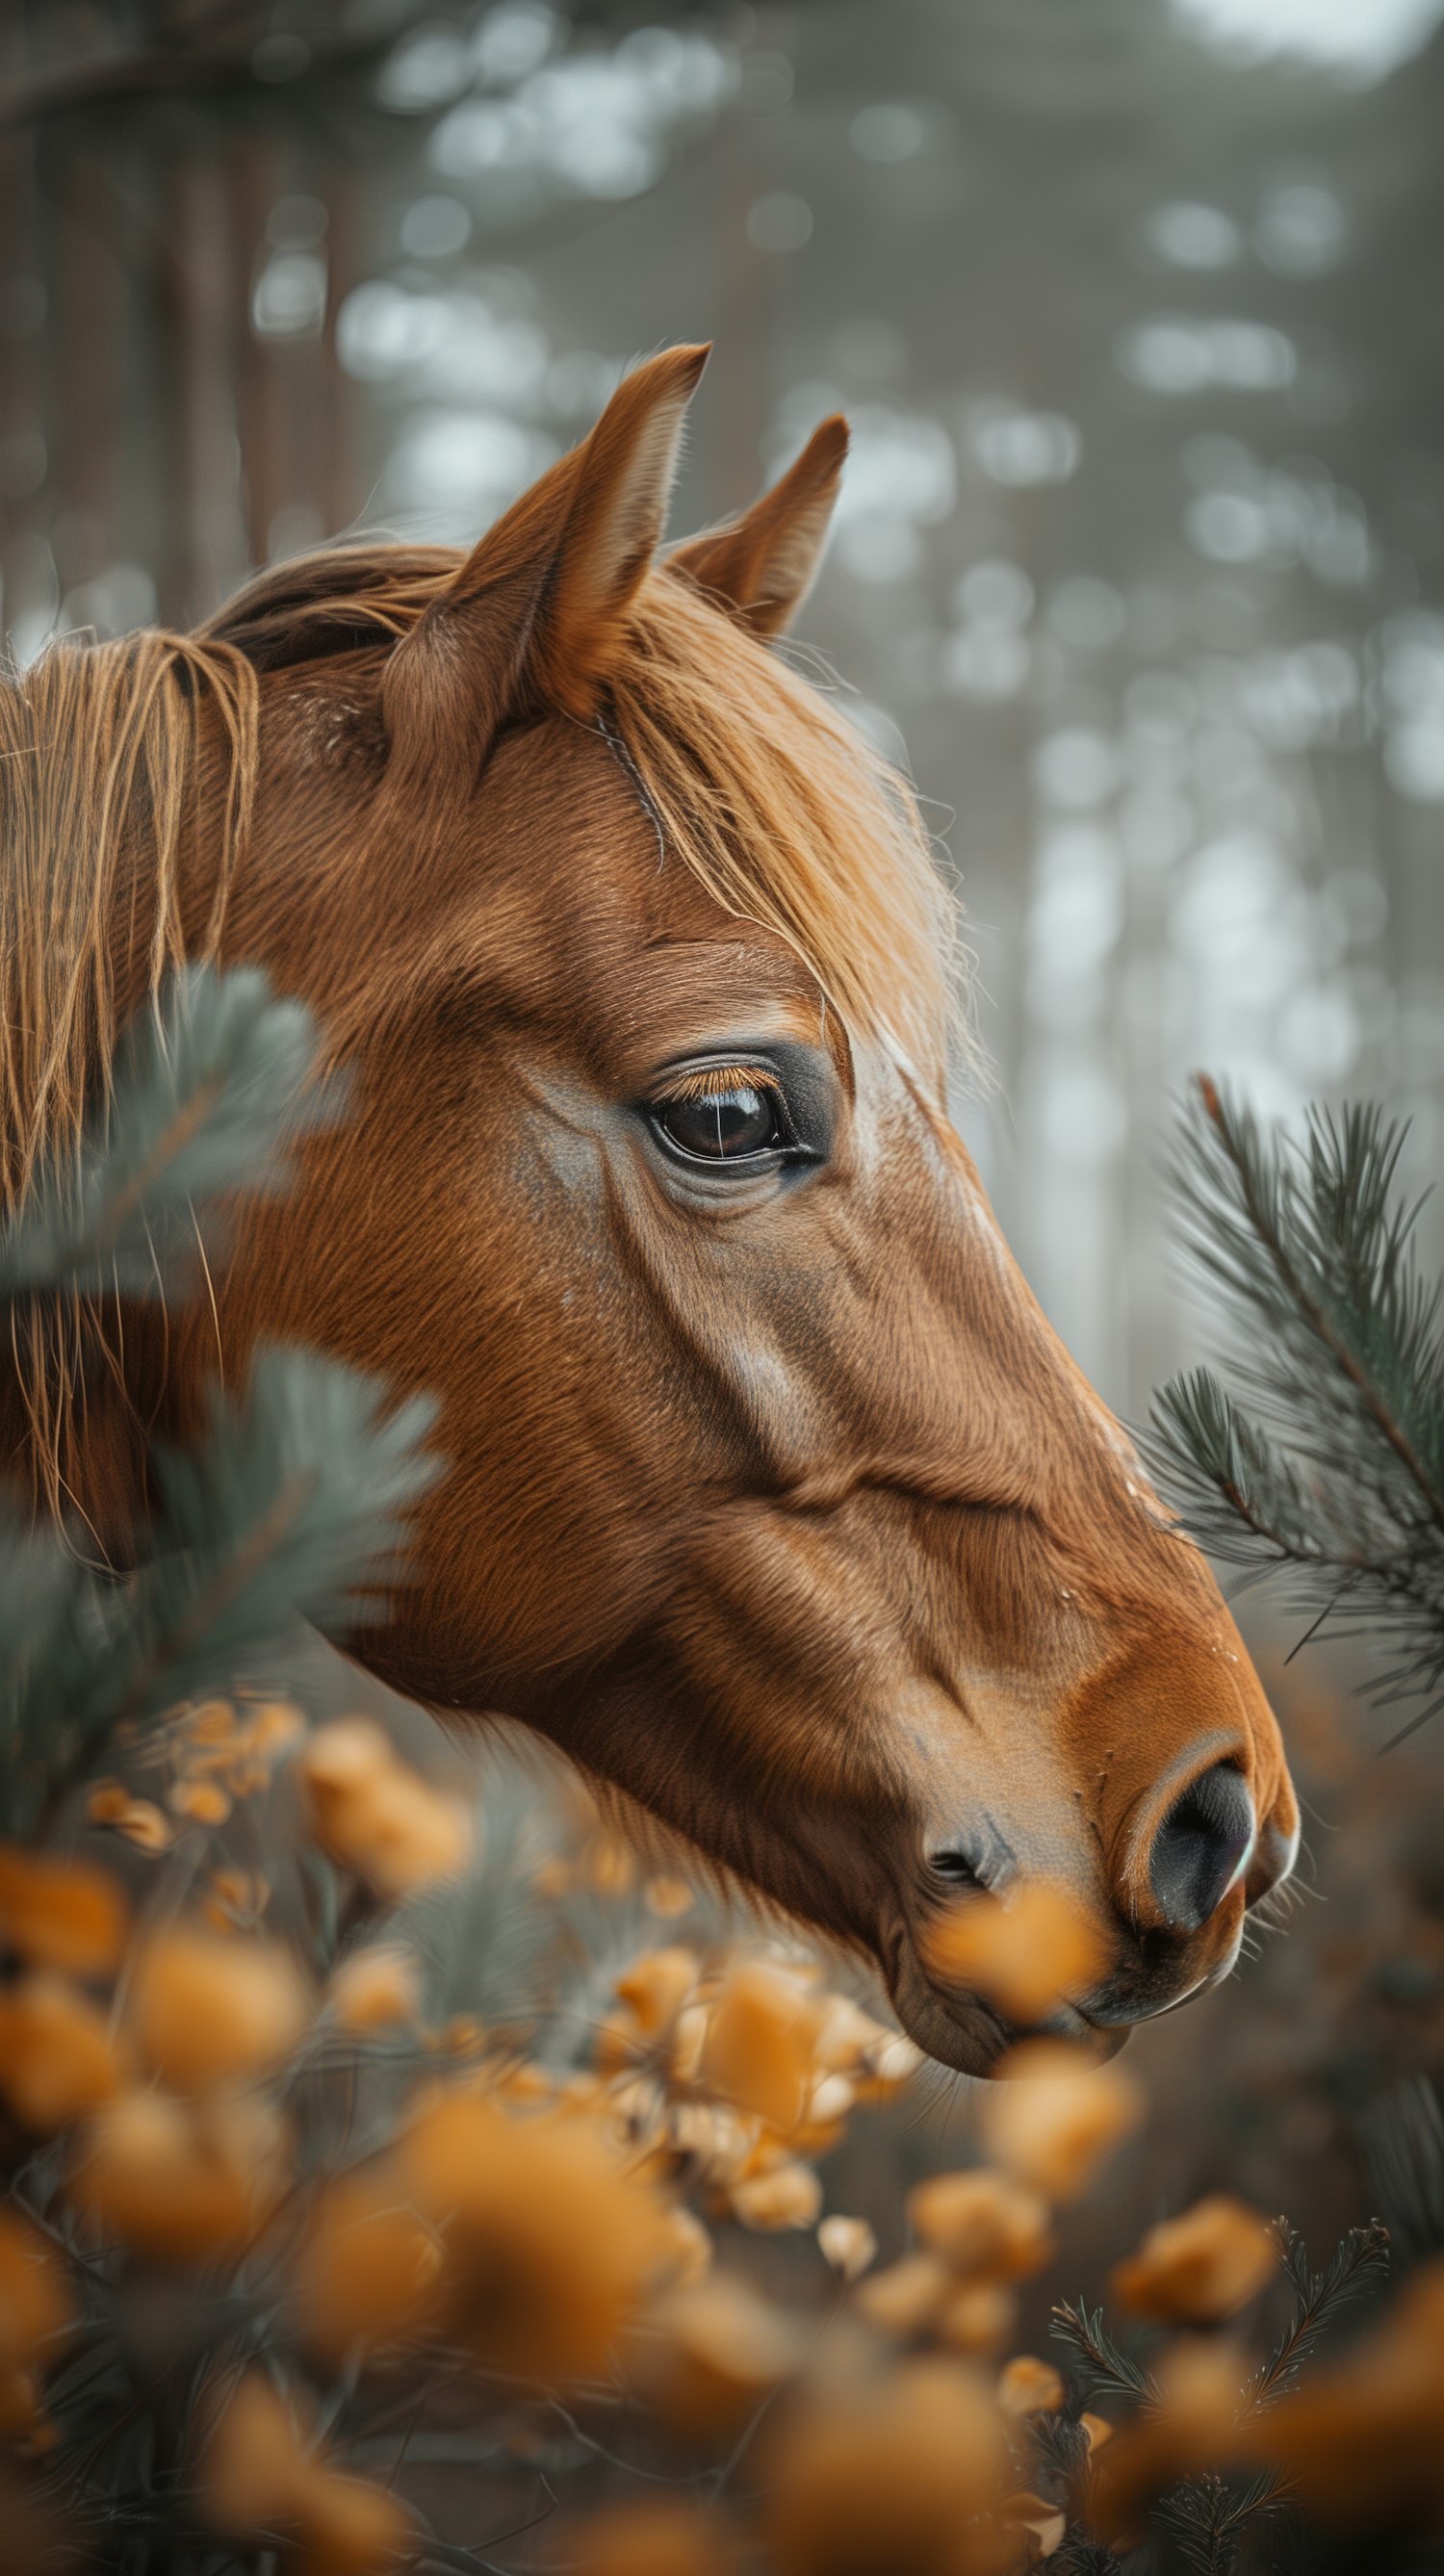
x=1328, y=1462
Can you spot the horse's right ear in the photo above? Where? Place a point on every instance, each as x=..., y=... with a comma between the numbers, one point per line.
x=535, y=613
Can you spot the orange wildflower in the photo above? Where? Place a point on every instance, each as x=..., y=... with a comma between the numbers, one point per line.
x=376, y=1989
x=177, y=2180
x=1200, y=2267
x=206, y=2010
x=669, y=1898
x=889, y=2473
x=35, y=2302
x=686, y=2247
x=712, y=2353
x=1054, y=2118
x=372, y=1814
x=907, y=2298
x=652, y=2538
x=60, y=1913
x=550, y=2245
x=758, y=2050
x=369, y=2271
x=1028, y=2386
x=848, y=2245
x=1035, y=1952
x=258, y=2474
x=141, y=1822
x=980, y=2222
x=57, y=2057
x=656, y=1986
x=977, y=2316
x=200, y=1802
x=787, y=2195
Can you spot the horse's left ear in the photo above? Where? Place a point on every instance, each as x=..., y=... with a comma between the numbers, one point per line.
x=534, y=615
x=762, y=566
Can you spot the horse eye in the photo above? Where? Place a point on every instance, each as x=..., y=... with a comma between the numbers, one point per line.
x=723, y=1126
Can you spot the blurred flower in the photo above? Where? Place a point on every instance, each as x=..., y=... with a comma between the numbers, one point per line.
x=369, y=2270
x=656, y=1986
x=1202, y=2266
x=259, y=2475
x=179, y=2180
x=57, y=2057
x=877, y=2061
x=376, y=1989
x=550, y=2244
x=206, y=2010
x=139, y=1819
x=686, y=2247
x=977, y=2316
x=907, y=2298
x=201, y=1802
x=372, y=1814
x=36, y=2305
x=1054, y=2118
x=759, y=2046
x=712, y=2353
x=669, y=1898
x=651, y=2538
x=789, y=2195
x=888, y=2473
x=1191, y=2426
x=60, y=1913
x=979, y=2222
x=1035, y=1952
x=1028, y=2386
x=848, y=2244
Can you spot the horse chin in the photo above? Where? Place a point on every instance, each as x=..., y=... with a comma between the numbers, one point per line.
x=963, y=2031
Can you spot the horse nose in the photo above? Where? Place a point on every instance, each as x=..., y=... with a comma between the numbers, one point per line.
x=1203, y=1843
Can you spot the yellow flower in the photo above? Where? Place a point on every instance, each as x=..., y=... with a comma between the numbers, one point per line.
x=57, y=2057
x=761, y=2035
x=669, y=1898
x=977, y=2316
x=369, y=2271
x=655, y=1988
x=36, y=2306
x=201, y=1802
x=650, y=2538
x=1198, y=2268
x=376, y=1989
x=60, y=1913
x=889, y=2473
x=712, y=2353
x=179, y=2180
x=1035, y=1952
x=1028, y=2386
x=372, y=1814
x=787, y=2195
x=848, y=2244
x=907, y=2298
x=208, y=2010
x=980, y=2223
x=1054, y=2118
x=258, y=2474
x=550, y=2244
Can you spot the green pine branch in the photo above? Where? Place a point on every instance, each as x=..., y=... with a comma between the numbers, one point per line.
x=1327, y=1461
x=207, y=1089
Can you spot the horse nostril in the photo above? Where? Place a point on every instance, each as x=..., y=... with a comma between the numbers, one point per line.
x=1201, y=1842
x=956, y=1868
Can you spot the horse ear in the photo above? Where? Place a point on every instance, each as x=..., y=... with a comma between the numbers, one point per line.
x=762, y=565
x=536, y=611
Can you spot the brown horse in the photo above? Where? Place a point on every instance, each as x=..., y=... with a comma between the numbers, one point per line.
x=771, y=1497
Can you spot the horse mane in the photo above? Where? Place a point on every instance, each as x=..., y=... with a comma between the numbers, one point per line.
x=757, y=783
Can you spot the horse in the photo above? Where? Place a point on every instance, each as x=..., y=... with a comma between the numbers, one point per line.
x=770, y=1496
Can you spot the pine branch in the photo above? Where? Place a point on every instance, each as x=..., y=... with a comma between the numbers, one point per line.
x=1358, y=2264
x=291, y=1507
x=203, y=1091
x=1107, y=2370
x=1336, y=1472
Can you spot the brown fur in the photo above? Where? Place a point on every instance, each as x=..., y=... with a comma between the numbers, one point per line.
x=773, y=1500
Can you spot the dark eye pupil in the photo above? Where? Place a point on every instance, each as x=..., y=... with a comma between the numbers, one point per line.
x=723, y=1124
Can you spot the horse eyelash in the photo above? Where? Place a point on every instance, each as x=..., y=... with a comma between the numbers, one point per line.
x=714, y=1081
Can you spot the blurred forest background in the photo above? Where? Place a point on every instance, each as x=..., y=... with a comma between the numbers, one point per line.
x=1134, y=307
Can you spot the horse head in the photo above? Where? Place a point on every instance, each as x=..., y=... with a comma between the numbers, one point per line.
x=770, y=1496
